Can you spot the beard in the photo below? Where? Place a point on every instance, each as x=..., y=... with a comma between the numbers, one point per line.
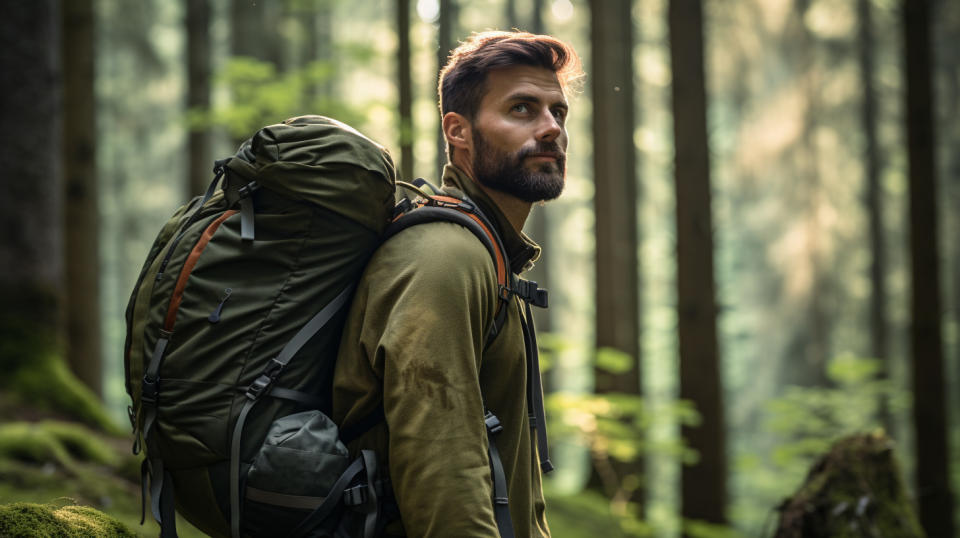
x=505, y=172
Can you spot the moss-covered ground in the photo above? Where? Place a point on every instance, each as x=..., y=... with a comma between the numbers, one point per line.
x=65, y=479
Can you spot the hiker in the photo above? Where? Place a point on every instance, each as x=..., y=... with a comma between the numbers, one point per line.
x=417, y=339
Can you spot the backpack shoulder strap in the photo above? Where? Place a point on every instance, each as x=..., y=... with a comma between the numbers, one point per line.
x=442, y=208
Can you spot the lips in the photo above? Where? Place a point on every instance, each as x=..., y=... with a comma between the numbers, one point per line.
x=545, y=156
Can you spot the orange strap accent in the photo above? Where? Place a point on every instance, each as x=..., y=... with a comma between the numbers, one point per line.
x=188, y=268
x=449, y=199
x=501, y=263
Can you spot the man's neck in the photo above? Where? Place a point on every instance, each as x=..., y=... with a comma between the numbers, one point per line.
x=515, y=209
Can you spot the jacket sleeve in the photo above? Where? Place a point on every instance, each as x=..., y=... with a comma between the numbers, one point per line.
x=431, y=296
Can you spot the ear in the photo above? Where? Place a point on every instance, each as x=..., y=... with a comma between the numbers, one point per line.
x=456, y=129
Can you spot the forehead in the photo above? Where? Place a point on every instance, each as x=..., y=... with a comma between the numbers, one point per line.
x=527, y=81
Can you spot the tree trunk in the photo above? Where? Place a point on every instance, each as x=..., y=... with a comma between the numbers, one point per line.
x=615, y=204
x=198, y=94
x=30, y=208
x=929, y=410
x=253, y=31
x=704, y=492
x=405, y=84
x=879, y=326
x=80, y=209
x=853, y=490
x=445, y=43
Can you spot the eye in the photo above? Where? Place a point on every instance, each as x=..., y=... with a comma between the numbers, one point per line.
x=560, y=114
x=522, y=108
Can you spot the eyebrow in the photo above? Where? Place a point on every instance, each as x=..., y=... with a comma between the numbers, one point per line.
x=534, y=99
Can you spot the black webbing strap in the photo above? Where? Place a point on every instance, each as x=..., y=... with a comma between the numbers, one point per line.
x=535, y=390
x=333, y=499
x=501, y=503
x=161, y=496
x=373, y=502
x=168, y=516
x=263, y=385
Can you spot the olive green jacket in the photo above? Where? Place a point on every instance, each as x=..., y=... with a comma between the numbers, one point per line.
x=417, y=329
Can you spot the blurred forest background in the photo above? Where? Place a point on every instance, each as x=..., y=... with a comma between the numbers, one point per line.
x=756, y=253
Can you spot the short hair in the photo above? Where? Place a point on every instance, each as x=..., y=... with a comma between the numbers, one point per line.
x=463, y=80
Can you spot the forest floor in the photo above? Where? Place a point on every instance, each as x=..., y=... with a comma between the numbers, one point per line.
x=51, y=460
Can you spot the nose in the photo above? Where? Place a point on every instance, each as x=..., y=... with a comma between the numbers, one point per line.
x=549, y=128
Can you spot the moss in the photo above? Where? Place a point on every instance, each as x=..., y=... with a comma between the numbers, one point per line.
x=62, y=443
x=48, y=383
x=34, y=372
x=27, y=519
x=854, y=490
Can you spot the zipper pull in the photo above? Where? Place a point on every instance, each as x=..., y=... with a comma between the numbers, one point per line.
x=215, y=315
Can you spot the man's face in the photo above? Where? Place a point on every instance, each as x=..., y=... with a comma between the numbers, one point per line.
x=519, y=134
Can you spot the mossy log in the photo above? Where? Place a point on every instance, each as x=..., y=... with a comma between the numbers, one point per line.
x=29, y=519
x=855, y=490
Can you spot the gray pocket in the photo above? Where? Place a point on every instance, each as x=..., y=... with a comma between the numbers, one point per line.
x=300, y=459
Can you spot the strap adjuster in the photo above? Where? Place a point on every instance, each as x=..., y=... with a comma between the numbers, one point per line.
x=148, y=393
x=262, y=383
x=248, y=189
x=355, y=496
x=492, y=423
x=529, y=292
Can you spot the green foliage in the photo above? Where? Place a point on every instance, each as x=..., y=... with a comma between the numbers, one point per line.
x=804, y=422
x=262, y=96
x=588, y=514
x=27, y=519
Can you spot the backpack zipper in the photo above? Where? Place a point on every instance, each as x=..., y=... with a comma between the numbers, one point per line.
x=215, y=315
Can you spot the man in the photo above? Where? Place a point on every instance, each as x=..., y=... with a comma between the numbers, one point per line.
x=416, y=334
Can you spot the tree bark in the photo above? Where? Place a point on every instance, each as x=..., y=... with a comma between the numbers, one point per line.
x=879, y=326
x=615, y=203
x=405, y=84
x=198, y=94
x=929, y=409
x=30, y=208
x=445, y=43
x=80, y=209
x=704, y=492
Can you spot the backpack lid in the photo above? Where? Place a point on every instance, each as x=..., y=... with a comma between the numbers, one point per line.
x=324, y=162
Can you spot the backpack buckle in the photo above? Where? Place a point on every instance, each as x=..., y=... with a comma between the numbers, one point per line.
x=149, y=390
x=529, y=292
x=262, y=383
x=492, y=423
x=248, y=189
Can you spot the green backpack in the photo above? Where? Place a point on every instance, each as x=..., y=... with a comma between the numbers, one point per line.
x=233, y=329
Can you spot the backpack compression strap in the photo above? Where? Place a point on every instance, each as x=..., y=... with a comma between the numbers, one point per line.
x=264, y=385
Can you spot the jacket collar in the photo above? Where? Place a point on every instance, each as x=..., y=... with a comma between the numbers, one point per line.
x=521, y=250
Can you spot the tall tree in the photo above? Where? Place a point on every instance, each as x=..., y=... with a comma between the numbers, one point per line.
x=81, y=216
x=253, y=32
x=446, y=28
x=615, y=202
x=404, y=82
x=198, y=93
x=30, y=275
x=704, y=492
x=929, y=410
x=879, y=326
